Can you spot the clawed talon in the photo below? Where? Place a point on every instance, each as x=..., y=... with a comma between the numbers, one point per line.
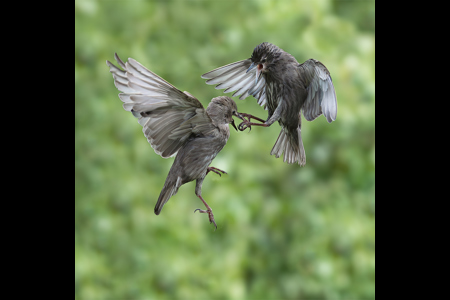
x=247, y=122
x=210, y=215
x=244, y=125
x=207, y=211
x=215, y=170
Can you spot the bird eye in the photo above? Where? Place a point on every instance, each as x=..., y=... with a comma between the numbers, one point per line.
x=263, y=60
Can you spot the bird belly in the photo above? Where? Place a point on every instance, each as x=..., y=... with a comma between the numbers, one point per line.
x=196, y=156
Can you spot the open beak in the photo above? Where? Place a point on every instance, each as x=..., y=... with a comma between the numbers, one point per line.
x=234, y=125
x=258, y=71
x=252, y=66
x=239, y=116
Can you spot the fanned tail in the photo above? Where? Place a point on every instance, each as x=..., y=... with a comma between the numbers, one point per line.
x=290, y=142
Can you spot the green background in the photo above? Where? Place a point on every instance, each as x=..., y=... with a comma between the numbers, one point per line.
x=284, y=231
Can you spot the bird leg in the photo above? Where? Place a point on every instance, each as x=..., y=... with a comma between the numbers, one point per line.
x=274, y=117
x=249, y=116
x=215, y=170
x=246, y=124
x=207, y=211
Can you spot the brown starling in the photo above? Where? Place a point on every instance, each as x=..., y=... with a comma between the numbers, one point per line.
x=175, y=123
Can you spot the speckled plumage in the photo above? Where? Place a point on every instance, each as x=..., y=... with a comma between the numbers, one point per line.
x=285, y=88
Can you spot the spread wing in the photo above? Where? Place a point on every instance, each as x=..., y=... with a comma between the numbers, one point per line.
x=168, y=116
x=321, y=95
x=234, y=78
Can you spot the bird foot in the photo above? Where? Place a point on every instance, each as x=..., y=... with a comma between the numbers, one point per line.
x=247, y=124
x=210, y=215
x=207, y=211
x=244, y=125
x=215, y=170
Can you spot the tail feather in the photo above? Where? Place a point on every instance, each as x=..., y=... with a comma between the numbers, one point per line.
x=290, y=143
x=170, y=188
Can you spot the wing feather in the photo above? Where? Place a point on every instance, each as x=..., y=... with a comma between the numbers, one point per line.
x=168, y=116
x=234, y=77
x=242, y=86
x=321, y=98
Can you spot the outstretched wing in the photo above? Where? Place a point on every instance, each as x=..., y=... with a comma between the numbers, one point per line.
x=321, y=95
x=234, y=78
x=168, y=116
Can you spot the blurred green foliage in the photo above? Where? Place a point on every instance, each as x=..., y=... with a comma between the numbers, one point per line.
x=284, y=231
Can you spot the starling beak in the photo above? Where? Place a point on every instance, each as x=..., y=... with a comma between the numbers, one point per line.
x=239, y=115
x=234, y=125
x=252, y=66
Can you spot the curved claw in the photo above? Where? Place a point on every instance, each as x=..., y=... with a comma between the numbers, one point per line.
x=244, y=125
x=210, y=215
x=215, y=170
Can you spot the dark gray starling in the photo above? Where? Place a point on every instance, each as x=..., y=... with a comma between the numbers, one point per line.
x=175, y=123
x=285, y=88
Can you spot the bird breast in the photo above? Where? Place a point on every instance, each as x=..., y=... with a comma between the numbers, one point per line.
x=273, y=95
x=197, y=155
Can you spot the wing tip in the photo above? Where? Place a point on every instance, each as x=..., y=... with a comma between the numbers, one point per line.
x=330, y=115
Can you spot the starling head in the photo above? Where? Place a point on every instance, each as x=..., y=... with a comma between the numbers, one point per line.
x=221, y=111
x=264, y=57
